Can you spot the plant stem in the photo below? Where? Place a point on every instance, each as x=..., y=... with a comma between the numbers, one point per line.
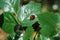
x=16, y=20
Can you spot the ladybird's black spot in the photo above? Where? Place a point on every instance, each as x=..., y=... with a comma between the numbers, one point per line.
x=36, y=26
x=1, y=20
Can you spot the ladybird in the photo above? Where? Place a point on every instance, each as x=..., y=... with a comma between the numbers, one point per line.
x=32, y=17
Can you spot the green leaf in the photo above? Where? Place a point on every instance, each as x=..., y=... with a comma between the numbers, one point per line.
x=58, y=14
x=10, y=5
x=26, y=11
x=9, y=24
x=48, y=24
x=58, y=24
x=38, y=38
x=28, y=33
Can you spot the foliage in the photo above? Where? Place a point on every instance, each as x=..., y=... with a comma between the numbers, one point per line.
x=15, y=14
x=48, y=24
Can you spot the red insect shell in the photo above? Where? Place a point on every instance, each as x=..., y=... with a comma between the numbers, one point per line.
x=32, y=17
